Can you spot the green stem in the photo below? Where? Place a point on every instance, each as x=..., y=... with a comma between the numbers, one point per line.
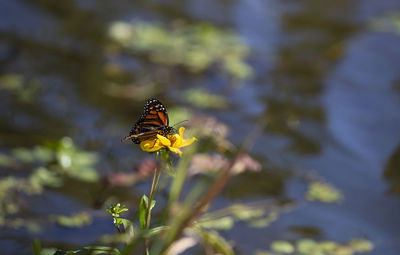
x=154, y=183
x=119, y=230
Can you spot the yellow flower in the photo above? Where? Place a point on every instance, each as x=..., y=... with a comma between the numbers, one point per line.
x=172, y=142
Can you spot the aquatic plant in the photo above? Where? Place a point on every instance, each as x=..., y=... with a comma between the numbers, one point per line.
x=50, y=164
x=196, y=47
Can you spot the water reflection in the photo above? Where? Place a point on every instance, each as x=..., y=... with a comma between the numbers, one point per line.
x=256, y=185
x=313, y=44
x=315, y=98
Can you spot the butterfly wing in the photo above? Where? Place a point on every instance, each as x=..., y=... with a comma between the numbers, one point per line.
x=154, y=116
x=153, y=121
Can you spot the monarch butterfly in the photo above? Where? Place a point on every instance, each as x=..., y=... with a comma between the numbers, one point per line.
x=154, y=120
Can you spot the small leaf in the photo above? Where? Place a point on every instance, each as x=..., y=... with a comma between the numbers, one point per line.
x=118, y=221
x=153, y=203
x=5, y=161
x=123, y=210
x=323, y=192
x=142, y=211
x=306, y=246
x=282, y=247
x=154, y=231
x=223, y=223
x=76, y=220
x=328, y=246
x=361, y=245
x=128, y=226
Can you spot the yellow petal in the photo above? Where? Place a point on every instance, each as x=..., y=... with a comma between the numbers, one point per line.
x=165, y=141
x=179, y=138
x=177, y=141
x=187, y=142
x=175, y=150
x=181, y=129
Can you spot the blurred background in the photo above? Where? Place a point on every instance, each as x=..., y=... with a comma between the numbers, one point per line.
x=320, y=80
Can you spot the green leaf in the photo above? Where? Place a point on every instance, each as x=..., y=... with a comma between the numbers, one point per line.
x=24, y=155
x=223, y=223
x=328, y=246
x=307, y=246
x=153, y=203
x=196, y=47
x=128, y=226
x=361, y=245
x=142, y=211
x=118, y=221
x=282, y=247
x=323, y=192
x=202, y=99
x=5, y=160
x=76, y=220
x=154, y=231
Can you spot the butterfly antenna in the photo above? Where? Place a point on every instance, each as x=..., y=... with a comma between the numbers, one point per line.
x=179, y=123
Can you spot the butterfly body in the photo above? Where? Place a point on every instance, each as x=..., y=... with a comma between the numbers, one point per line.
x=154, y=120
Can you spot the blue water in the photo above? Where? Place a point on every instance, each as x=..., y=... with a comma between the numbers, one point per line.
x=327, y=81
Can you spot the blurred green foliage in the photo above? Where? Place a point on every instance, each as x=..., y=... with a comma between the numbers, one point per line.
x=323, y=192
x=311, y=247
x=76, y=220
x=216, y=241
x=178, y=116
x=282, y=247
x=197, y=47
x=256, y=215
x=390, y=22
x=201, y=98
x=39, y=167
x=23, y=89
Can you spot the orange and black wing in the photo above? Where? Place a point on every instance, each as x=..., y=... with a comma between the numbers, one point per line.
x=153, y=121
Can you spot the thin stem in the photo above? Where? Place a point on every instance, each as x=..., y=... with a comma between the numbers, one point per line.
x=119, y=230
x=153, y=186
x=148, y=215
